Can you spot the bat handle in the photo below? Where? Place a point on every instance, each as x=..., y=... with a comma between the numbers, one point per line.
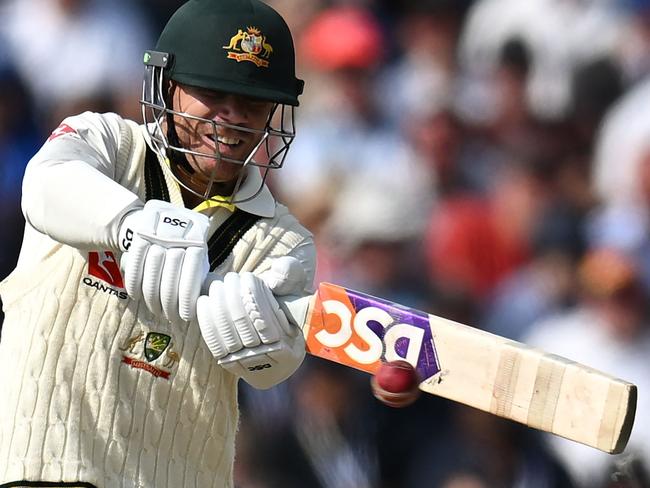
x=295, y=308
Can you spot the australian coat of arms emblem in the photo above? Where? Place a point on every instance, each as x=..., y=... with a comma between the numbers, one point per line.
x=249, y=45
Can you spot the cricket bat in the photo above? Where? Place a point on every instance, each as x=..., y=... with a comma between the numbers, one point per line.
x=470, y=366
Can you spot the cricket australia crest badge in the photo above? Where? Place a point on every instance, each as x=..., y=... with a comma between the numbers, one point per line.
x=152, y=346
x=155, y=344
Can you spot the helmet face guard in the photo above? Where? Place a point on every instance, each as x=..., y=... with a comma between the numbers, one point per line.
x=268, y=153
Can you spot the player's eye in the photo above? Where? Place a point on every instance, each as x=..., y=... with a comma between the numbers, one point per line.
x=212, y=96
x=257, y=106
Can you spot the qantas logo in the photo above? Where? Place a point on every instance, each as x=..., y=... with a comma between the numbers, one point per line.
x=360, y=331
x=61, y=130
x=103, y=265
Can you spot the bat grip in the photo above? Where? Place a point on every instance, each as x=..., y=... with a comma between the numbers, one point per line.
x=295, y=308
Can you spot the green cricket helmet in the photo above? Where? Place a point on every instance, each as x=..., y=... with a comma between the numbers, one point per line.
x=242, y=47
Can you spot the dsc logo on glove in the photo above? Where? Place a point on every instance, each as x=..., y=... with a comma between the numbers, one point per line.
x=175, y=222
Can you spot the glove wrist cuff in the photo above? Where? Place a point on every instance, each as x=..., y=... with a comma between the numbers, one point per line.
x=125, y=234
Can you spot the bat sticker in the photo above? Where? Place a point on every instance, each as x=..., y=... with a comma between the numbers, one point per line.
x=360, y=331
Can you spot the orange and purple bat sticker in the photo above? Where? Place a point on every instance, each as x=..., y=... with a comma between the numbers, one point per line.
x=361, y=331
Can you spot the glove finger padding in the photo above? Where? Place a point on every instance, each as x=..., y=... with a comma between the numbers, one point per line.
x=274, y=320
x=275, y=360
x=194, y=264
x=208, y=315
x=151, y=276
x=222, y=320
x=241, y=305
x=169, y=283
x=286, y=276
x=133, y=266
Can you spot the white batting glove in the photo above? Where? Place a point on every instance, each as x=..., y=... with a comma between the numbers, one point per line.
x=165, y=258
x=245, y=329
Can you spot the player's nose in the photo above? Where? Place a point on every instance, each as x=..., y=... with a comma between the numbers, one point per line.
x=232, y=110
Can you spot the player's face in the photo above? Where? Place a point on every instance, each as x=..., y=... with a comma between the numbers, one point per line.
x=231, y=143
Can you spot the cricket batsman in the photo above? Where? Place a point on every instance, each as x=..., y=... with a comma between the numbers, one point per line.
x=152, y=258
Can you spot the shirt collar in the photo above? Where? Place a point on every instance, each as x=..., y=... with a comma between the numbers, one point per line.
x=262, y=204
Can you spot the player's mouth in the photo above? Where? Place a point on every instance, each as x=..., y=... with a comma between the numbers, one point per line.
x=229, y=141
x=227, y=145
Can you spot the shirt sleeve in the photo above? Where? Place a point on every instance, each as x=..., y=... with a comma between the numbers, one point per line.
x=69, y=189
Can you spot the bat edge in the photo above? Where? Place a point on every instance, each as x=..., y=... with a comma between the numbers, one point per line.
x=628, y=422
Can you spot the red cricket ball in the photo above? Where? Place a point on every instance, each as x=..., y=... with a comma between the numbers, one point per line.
x=396, y=384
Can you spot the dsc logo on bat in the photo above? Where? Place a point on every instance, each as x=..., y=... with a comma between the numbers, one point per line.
x=359, y=331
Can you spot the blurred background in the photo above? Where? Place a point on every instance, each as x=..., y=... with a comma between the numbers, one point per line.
x=485, y=160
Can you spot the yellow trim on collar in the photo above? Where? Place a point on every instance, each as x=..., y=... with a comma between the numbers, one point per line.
x=214, y=202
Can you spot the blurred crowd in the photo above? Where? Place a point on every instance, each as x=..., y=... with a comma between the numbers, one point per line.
x=483, y=160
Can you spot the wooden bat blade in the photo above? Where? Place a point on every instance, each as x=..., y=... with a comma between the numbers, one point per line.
x=469, y=366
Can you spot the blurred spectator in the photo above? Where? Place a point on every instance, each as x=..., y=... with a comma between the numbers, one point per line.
x=438, y=145
x=560, y=34
x=595, y=86
x=512, y=124
x=417, y=94
x=77, y=55
x=622, y=148
x=343, y=37
x=326, y=442
x=474, y=242
x=621, y=179
x=342, y=135
x=633, y=51
x=474, y=449
x=608, y=329
x=543, y=287
x=298, y=14
x=419, y=81
x=544, y=284
x=375, y=233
